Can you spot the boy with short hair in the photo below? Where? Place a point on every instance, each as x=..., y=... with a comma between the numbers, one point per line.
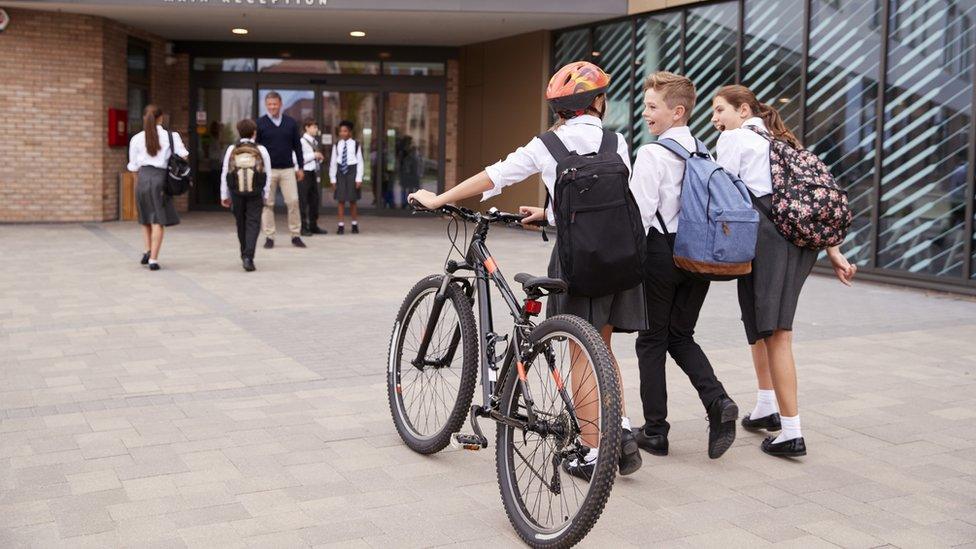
x=242, y=192
x=674, y=297
x=309, y=195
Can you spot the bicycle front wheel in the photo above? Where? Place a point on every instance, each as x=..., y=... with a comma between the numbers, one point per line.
x=575, y=415
x=429, y=398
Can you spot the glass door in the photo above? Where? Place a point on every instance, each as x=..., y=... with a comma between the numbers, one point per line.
x=362, y=109
x=217, y=112
x=411, y=151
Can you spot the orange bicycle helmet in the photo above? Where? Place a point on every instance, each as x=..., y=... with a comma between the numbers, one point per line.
x=574, y=87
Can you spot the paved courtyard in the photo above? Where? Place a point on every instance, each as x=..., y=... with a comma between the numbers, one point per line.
x=202, y=406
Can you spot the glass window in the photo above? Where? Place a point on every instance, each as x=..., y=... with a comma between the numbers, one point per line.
x=772, y=62
x=571, y=46
x=316, y=66
x=217, y=112
x=659, y=49
x=842, y=91
x=412, y=148
x=360, y=108
x=406, y=68
x=710, y=45
x=927, y=131
x=215, y=64
x=137, y=75
x=612, y=52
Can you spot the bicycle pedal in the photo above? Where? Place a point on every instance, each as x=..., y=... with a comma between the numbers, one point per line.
x=469, y=442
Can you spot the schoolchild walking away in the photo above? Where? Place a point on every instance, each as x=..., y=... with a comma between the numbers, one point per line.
x=662, y=174
x=149, y=153
x=757, y=146
x=279, y=134
x=607, y=294
x=244, y=187
x=309, y=189
x=346, y=173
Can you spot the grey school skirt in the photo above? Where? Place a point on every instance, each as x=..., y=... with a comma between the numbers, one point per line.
x=154, y=205
x=626, y=311
x=345, y=189
x=768, y=296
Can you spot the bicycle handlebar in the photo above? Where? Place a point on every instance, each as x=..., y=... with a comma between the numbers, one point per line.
x=491, y=216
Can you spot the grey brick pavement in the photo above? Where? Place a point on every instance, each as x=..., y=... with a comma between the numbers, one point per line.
x=201, y=406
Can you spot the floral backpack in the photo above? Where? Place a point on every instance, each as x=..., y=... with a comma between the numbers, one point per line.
x=809, y=207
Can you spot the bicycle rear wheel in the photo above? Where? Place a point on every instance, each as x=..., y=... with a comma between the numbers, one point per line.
x=547, y=506
x=429, y=400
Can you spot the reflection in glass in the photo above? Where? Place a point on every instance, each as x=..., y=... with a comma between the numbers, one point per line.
x=571, y=46
x=216, y=64
x=612, y=43
x=412, y=148
x=222, y=109
x=659, y=49
x=316, y=66
x=405, y=68
x=842, y=91
x=773, y=55
x=928, y=99
x=710, y=45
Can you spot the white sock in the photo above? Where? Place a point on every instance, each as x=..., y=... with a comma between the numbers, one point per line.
x=341, y=224
x=152, y=261
x=765, y=404
x=791, y=428
x=355, y=222
x=590, y=457
x=625, y=423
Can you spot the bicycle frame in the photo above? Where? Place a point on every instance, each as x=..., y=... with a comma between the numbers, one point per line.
x=480, y=261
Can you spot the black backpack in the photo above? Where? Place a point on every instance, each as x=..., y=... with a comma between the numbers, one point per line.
x=179, y=176
x=598, y=224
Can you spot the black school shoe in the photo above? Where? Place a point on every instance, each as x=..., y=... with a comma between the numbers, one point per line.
x=154, y=266
x=341, y=230
x=630, y=458
x=722, y=413
x=297, y=242
x=355, y=229
x=306, y=232
x=248, y=264
x=766, y=423
x=319, y=230
x=268, y=243
x=794, y=447
x=583, y=471
x=653, y=444
x=145, y=259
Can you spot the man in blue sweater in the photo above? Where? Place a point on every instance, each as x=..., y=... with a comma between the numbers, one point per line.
x=279, y=134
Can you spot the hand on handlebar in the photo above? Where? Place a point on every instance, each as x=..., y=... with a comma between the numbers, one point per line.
x=424, y=198
x=532, y=214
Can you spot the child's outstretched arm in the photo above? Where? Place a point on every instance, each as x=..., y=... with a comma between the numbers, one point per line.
x=472, y=186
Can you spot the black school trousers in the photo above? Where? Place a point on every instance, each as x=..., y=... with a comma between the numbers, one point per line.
x=674, y=300
x=309, y=200
x=247, y=214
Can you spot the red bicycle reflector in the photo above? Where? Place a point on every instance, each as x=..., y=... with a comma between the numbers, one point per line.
x=533, y=307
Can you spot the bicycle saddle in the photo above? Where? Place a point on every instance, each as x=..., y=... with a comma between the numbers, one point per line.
x=532, y=284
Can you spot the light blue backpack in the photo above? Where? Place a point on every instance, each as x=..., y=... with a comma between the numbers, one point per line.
x=717, y=225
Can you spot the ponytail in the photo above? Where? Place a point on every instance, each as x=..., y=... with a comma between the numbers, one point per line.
x=737, y=96
x=149, y=117
x=774, y=123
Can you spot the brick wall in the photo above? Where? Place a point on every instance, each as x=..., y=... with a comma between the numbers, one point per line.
x=451, y=130
x=59, y=76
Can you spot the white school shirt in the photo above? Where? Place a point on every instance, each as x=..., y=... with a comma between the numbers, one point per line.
x=745, y=153
x=582, y=134
x=224, y=191
x=353, y=156
x=139, y=156
x=657, y=177
x=308, y=153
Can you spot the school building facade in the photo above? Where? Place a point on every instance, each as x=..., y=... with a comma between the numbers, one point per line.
x=882, y=90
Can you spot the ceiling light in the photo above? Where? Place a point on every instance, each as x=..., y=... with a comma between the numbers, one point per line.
x=239, y=30
x=784, y=100
x=595, y=54
x=357, y=34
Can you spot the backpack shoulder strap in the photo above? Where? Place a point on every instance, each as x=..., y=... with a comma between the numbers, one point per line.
x=555, y=145
x=609, y=142
x=675, y=147
x=172, y=148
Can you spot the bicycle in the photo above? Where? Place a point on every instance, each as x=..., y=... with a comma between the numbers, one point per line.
x=437, y=350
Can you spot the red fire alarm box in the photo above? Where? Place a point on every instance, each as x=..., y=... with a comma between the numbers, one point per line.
x=118, y=127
